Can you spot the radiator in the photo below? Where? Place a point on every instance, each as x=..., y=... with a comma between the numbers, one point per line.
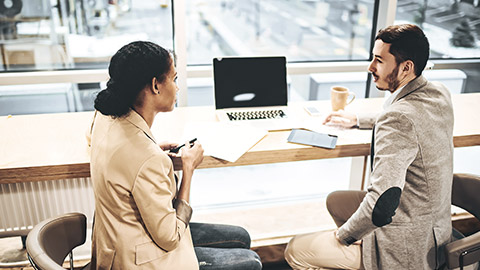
x=23, y=205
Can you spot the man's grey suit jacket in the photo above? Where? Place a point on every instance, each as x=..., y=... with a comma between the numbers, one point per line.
x=405, y=218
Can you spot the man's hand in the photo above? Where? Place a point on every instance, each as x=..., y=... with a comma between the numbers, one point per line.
x=358, y=242
x=336, y=236
x=341, y=118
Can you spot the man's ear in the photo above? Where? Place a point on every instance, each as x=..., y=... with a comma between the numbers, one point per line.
x=408, y=66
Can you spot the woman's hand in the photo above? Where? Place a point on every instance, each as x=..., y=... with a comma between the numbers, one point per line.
x=165, y=146
x=191, y=156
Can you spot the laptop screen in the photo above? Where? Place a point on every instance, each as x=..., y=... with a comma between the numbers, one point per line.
x=250, y=82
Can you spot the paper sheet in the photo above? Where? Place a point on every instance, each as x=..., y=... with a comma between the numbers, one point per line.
x=227, y=141
x=315, y=124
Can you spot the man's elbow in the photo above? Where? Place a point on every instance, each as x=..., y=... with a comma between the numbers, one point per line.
x=385, y=207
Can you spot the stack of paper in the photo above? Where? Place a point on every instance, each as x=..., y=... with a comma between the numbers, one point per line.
x=226, y=141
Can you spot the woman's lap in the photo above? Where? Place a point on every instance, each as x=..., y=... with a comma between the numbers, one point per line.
x=227, y=258
x=219, y=246
x=219, y=235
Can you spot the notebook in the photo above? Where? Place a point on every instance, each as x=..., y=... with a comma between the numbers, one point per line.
x=252, y=91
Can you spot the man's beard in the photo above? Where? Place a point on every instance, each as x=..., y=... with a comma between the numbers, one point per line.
x=392, y=80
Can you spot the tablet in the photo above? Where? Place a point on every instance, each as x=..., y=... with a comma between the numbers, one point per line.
x=313, y=138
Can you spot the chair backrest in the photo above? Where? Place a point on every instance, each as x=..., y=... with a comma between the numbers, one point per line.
x=50, y=241
x=465, y=251
x=465, y=193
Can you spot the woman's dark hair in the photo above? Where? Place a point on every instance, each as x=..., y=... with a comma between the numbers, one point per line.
x=131, y=69
x=408, y=42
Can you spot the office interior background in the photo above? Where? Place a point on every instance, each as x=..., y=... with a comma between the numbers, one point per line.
x=55, y=54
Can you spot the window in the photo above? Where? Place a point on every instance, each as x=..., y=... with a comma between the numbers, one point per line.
x=269, y=183
x=452, y=27
x=301, y=30
x=50, y=34
x=64, y=35
x=453, y=30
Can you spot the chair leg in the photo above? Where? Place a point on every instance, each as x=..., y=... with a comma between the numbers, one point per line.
x=71, y=259
x=24, y=241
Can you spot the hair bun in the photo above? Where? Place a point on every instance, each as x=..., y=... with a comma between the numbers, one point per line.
x=109, y=103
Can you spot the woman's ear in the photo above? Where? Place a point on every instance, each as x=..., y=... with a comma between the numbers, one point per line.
x=155, y=86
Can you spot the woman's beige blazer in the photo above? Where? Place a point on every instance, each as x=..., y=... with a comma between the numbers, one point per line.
x=136, y=224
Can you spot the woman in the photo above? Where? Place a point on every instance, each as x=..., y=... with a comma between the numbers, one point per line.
x=141, y=220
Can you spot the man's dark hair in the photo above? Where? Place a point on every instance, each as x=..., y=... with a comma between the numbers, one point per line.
x=408, y=42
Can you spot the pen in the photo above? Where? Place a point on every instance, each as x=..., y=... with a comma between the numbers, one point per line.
x=176, y=149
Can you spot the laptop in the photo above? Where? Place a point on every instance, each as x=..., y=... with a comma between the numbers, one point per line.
x=252, y=91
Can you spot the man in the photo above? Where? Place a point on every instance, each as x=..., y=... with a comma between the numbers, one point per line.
x=403, y=219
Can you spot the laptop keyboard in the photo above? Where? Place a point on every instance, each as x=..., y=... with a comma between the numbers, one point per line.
x=256, y=115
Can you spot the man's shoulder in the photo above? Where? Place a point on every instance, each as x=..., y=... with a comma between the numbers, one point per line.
x=430, y=92
x=426, y=105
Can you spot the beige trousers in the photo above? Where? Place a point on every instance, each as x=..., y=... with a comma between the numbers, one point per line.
x=321, y=250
